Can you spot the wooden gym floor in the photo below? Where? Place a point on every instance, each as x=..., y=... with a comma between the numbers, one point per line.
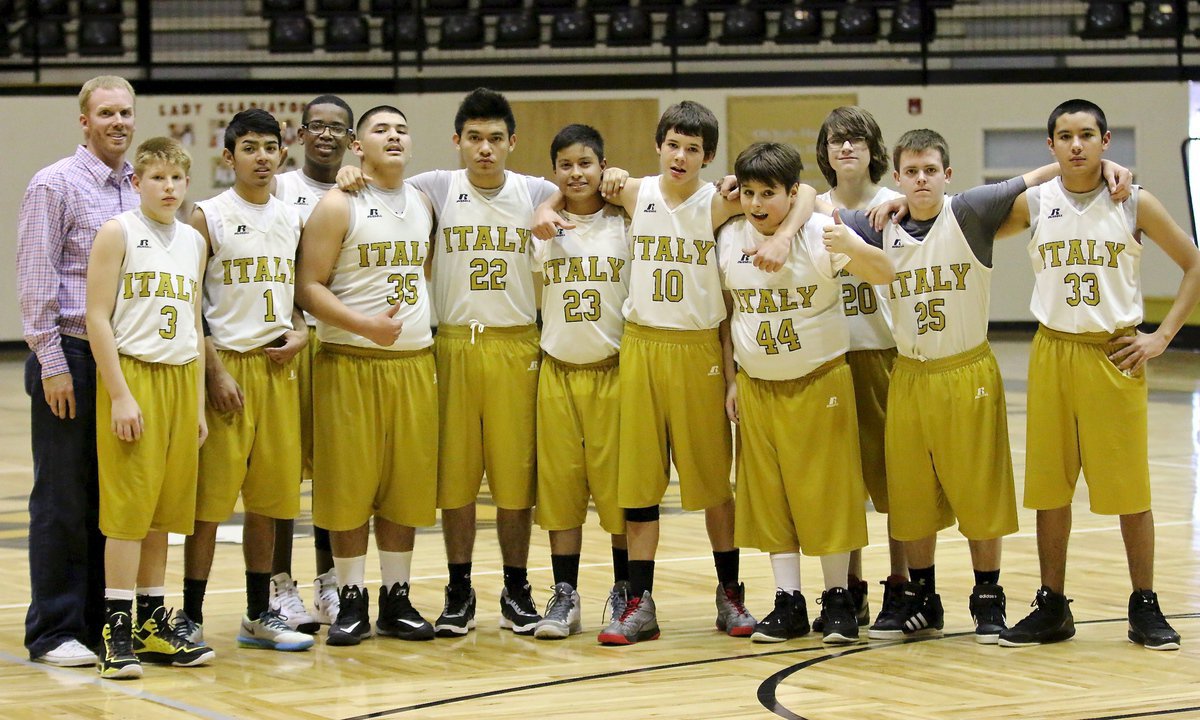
x=693, y=671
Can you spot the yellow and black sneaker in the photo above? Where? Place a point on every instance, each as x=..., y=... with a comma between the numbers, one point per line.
x=118, y=661
x=157, y=642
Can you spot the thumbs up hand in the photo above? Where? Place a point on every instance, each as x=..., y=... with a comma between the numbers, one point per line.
x=838, y=237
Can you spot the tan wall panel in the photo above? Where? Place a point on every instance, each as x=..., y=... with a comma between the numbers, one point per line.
x=627, y=127
x=791, y=119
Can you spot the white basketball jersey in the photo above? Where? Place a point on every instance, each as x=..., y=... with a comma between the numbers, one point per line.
x=674, y=282
x=249, y=285
x=154, y=318
x=381, y=264
x=868, y=314
x=941, y=292
x=1086, y=261
x=585, y=276
x=483, y=255
x=785, y=324
x=300, y=192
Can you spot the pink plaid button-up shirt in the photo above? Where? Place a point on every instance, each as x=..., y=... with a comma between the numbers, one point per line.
x=64, y=205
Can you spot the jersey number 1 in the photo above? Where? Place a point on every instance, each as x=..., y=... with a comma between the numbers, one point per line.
x=270, y=298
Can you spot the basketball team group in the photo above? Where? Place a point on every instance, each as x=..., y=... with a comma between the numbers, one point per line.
x=397, y=339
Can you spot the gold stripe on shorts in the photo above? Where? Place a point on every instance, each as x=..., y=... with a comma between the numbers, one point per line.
x=682, y=337
x=1089, y=338
x=605, y=364
x=952, y=362
x=483, y=332
x=373, y=353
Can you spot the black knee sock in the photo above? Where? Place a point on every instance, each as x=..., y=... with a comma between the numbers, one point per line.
x=112, y=607
x=987, y=577
x=566, y=569
x=515, y=579
x=620, y=564
x=727, y=562
x=193, y=599
x=925, y=578
x=460, y=574
x=641, y=577
x=258, y=593
x=146, y=605
x=321, y=541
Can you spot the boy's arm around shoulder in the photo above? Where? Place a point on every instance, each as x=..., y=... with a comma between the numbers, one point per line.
x=771, y=255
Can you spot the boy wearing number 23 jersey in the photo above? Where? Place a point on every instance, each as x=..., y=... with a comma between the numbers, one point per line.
x=585, y=274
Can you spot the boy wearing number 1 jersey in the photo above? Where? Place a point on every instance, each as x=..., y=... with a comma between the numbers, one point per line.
x=253, y=412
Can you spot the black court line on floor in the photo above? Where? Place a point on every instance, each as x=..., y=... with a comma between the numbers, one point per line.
x=766, y=691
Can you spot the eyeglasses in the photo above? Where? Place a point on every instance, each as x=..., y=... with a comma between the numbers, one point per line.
x=836, y=142
x=317, y=128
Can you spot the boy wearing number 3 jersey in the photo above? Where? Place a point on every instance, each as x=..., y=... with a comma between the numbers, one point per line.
x=253, y=409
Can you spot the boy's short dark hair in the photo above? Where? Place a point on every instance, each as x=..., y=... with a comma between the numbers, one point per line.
x=1075, y=106
x=918, y=141
x=254, y=120
x=484, y=104
x=362, y=121
x=689, y=118
x=851, y=121
x=329, y=100
x=769, y=163
x=577, y=134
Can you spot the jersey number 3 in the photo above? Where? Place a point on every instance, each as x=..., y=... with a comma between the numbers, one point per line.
x=172, y=316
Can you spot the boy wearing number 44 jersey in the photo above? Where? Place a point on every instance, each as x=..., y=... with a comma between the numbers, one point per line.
x=793, y=393
x=253, y=411
x=1087, y=382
